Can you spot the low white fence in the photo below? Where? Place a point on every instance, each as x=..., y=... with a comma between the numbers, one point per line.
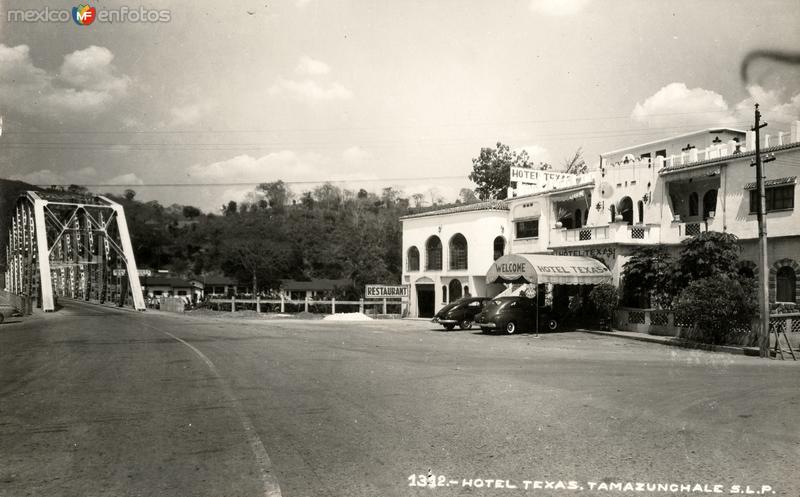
x=281, y=305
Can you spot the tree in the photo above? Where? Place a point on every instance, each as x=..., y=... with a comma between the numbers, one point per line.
x=190, y=212
x=710, y=253
x=647, y=276
x=231, y=208
x=491, y=170
x=276, y=194
x=719, y=307
x=129, y=194
x=576, y=164
x=418, y=198
x=467, y=196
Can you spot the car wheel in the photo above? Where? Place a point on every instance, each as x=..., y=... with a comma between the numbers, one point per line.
x=465, y=324
x=449, y=327
x=511, y=327
x=552, y=324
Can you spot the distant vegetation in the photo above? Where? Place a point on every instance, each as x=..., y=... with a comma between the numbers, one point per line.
x=275, y=234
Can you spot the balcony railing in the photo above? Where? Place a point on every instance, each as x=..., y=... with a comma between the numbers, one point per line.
x=613, y=233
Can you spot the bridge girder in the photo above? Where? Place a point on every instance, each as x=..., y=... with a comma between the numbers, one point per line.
x=69, y=245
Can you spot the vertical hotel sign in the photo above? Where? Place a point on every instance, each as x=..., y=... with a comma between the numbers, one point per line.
x=536, y=180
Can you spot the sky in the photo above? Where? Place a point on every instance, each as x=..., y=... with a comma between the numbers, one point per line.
x=226, y=95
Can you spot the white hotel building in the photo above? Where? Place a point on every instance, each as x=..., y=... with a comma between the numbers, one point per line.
x=660, y=192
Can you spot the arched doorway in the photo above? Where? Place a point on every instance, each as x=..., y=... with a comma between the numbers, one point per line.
x=640, y=206
x=709, y=203
x=626, y=209
x=455, y=290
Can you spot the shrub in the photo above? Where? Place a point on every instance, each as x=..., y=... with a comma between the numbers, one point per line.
x=718, y=307
x=604, y=298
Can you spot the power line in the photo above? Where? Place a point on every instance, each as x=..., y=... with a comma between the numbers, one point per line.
x=232, y=146
x=358, y=128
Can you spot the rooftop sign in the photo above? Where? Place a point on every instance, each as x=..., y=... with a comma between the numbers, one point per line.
x=536, y=180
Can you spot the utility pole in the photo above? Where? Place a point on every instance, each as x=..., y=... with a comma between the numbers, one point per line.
x=763, y=270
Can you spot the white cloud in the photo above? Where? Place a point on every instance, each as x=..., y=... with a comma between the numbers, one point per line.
x=302, y=3
x=558, y=8
x=536, y=153
x=311, y=67
x=125, y=179
x=773, y=105
x=310, y=90
x=677, y=105
x=86, y=83
x=86, y=175
x=356, y=155
x=187, y=115
x=270, y=167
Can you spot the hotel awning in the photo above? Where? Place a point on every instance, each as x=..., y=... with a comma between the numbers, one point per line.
x=544, y=268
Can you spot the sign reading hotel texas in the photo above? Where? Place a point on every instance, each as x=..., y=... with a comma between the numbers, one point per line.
x=537, y=180
x=387, y=291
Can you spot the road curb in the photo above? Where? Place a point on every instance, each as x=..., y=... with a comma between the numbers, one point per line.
x=678, y=342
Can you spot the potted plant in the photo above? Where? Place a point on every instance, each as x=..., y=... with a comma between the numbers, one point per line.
x=618, y=218
x=711, y=214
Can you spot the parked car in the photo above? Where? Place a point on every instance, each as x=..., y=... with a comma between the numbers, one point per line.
x=515, y=314
x=462, y=312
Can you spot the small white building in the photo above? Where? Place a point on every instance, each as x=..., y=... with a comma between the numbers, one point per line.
x=661, y=192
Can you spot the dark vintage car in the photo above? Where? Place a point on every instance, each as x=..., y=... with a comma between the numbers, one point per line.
x=462, y=312
x=514, y=315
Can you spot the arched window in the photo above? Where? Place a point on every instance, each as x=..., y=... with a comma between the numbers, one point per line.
x=499, y=247
x=455, y=290
x=458, y=252
x=412, y=259
x=444, y=293
x=466, y=291
x=640, y=206
x=709, y=203
x=578, y=218
x=626, y=209
x=787, y=289
x=433, y=253
x=693, y=204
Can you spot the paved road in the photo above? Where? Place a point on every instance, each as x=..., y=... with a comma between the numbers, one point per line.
x=98, y=402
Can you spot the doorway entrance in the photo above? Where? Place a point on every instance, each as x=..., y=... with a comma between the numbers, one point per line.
x=426, y=300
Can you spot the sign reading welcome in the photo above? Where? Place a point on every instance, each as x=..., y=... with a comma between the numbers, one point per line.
x=545, y=268
x=387, y=291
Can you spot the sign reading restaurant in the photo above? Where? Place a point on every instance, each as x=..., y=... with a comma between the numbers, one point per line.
x=387, y=291
x=537, y=180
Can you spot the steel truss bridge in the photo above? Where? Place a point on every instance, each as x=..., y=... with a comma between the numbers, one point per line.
x=70, y=245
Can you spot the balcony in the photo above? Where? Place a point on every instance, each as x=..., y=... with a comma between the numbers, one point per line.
x=644, y=234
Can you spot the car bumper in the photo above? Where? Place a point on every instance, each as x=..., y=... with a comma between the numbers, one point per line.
x=488, y=326
x=444, y=321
